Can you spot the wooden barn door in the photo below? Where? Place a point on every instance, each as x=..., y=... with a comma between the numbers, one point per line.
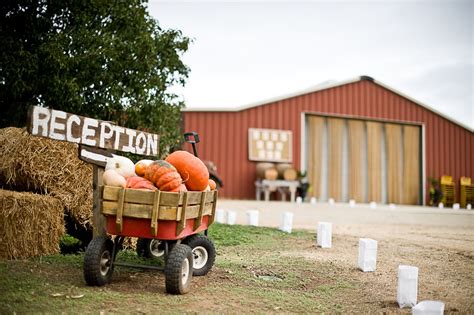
x=383, y=160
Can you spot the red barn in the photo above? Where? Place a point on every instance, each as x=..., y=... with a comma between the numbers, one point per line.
x=357, y=139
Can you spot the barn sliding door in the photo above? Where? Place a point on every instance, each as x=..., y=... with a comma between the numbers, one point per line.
x=316, y=128
x=357, y=156
x=363, y=160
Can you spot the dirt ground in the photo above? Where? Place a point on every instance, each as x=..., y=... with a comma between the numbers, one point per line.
x=270, y=272
x=440, y=242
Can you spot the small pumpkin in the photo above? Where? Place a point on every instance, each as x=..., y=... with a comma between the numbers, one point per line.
x=191, y=169
x=181, y=187
x=112, y=178
x=212, y=184
x=163, y=175
x=140, y=167
x=137, y=182
x=122, y=165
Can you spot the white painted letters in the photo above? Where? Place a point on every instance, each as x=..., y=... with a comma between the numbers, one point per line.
x=55, y=125
x=131, y=135
x=73, y=119
x=40, y=118
x=64, y=126
x=87, y=131
x=105, y=134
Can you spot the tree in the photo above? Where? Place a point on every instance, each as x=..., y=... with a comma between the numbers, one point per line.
x=103, y=59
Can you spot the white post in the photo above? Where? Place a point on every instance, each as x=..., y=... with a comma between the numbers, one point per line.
x=324, y=237
x=428, y=308
x=220, y=216
x=252, y=217
x=231, y=217
x=367, y=254
x=407, y=290
x=287, y=222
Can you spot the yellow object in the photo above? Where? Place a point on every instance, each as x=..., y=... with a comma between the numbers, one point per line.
x=466, y=190
x=448, y=190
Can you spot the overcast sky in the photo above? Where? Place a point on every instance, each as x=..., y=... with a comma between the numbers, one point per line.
x=248, y=51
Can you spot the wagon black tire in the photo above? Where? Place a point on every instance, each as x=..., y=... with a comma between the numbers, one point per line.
x=204, y=253
x=179, y=269
x=98, y=266
x=150, y=248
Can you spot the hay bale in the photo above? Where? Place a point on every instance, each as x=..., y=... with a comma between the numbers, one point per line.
x=30, y=224
x=50, y=167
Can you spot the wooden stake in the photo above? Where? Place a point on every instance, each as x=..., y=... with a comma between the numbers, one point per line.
x=154, y=214
x=98, y=220
x=198, y=220
x=182, y=220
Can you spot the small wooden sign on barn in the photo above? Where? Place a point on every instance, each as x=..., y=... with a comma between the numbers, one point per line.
x=270, y=145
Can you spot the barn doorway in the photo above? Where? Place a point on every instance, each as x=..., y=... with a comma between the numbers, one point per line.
x=363, y=160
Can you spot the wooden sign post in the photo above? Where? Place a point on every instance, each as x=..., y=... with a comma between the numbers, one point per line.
x=97, y=141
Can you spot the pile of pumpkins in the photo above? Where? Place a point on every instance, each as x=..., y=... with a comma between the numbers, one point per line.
x=180, y=171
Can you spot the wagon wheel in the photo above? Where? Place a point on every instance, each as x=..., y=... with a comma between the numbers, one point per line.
x=150, y=248
x=179, y=269
x=204, y=253
x=98, y=261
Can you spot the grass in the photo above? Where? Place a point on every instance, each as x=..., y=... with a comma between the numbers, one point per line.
x=252, y=272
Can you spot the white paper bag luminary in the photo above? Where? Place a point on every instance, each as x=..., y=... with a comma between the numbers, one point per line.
x=252, y=217
x=407, y=289
x=367, y=260
x=220, y=216
x=231, y=217
x=287, y=222
x=324, y=236
x=428, y=308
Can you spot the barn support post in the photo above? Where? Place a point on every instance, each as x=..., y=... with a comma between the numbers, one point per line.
x=98, y=220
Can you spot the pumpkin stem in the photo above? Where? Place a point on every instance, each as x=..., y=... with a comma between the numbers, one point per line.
x=185, y=180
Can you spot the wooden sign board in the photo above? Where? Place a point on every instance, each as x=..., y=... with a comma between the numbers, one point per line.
x=94, y=156
x=59, y=125
x=270, y=145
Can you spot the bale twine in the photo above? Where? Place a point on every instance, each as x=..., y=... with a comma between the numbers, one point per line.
x=30, y=224
x=50, y=167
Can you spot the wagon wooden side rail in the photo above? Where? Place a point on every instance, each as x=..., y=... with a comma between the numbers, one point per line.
x=161, y=215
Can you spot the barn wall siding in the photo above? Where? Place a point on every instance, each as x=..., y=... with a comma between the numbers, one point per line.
x=449, y=148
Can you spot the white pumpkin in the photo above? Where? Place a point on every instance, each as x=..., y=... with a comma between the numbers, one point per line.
x=112, y=178
x=122, y=165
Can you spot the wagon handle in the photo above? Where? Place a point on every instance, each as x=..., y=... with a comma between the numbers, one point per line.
x=193, y=138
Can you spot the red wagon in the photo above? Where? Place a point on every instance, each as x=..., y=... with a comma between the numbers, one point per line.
x=168, y=225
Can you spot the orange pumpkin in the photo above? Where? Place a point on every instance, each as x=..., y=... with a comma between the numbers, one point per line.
x=137, y=182
x=181, y=187
x=140, y=167
x=212, y=184
x=163, y=175
x=191, y=169
x=169, y=181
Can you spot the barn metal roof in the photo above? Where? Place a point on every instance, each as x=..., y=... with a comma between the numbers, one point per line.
x=325, y=86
